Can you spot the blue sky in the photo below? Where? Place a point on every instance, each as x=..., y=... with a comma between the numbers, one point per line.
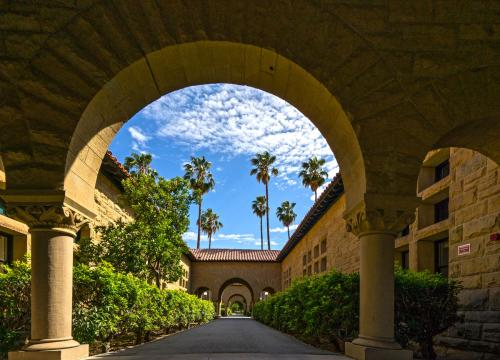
x=228, y=124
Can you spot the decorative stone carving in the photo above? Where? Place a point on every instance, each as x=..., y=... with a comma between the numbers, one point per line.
x=38, y=216
x=386, y=220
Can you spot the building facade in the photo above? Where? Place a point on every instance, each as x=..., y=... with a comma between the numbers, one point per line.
x=456, y=232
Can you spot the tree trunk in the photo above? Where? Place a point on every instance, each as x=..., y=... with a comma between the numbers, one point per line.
x=315, y=195
x=267, y=218
x=158, y=279
x=288, y=228
x=427, y=348
x=261, y=235
x=209, y=241
x=199, y=225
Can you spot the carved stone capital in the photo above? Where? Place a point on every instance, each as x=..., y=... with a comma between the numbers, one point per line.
x=48, y=216
x=385, y=220
x=389, y=214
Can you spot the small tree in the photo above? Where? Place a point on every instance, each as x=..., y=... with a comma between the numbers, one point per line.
x=286, y=214
x=259, y=209
x=151, y=245
x=313, y=174
x=210, y=224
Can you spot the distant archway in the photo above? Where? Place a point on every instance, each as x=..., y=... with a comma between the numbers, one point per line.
x=235, y=281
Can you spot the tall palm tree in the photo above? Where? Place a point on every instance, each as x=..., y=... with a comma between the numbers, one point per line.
x=201, y=181
x=286, y=214
x=263, y=170
x=210, y=224
x=259, y=209
x=313, y=174
x=138, y=163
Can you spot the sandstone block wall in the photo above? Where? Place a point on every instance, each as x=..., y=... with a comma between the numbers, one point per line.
x=474, y=217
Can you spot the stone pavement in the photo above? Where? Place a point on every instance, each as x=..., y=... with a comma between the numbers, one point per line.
x=226, y=338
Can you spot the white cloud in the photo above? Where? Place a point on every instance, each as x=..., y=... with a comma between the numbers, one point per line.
x=139, y=138
x=283, y=229
x=238, y=120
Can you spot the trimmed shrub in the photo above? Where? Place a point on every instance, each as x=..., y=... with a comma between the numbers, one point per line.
x=106, y=304
x=15, y=288
x=326, y=307
x=426, y=304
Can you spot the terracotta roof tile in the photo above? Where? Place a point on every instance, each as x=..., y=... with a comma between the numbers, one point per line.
x=234, y=255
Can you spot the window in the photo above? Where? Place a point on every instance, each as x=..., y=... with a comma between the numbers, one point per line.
x=323, y=264
x=304, y=260
x=309, y=256
x=441, y=256
x=316, y=267
x=441, y=210
x=316, y=251
x=2, y=208
x=6, y=248
x=406, y=231
x=323, y=246
x=309, y=270
x=304, y=272
x=442, y=170
x=405, y=259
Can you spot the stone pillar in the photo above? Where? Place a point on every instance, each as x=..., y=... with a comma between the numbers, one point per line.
x=218, y=309
x=52, y=228
x=377, y=230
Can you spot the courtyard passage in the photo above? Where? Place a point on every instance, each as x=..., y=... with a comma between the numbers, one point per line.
x=226, y=338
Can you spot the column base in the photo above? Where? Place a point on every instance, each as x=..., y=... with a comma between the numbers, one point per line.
x=73, y=353
x=362, y=352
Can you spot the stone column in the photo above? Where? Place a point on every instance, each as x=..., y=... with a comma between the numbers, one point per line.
x=218, y=309
x=52, y=228
x=377, y=231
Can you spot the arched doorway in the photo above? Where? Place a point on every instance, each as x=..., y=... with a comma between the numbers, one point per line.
x=241, y=286
x=69, y=94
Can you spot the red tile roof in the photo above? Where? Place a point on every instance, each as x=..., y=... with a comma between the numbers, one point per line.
x=233, y=255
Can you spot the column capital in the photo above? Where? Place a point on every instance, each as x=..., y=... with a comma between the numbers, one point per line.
x=48, y=216
x=381, y=213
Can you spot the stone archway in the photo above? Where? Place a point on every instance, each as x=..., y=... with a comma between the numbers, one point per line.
x=239, y=299
x=203, y=293
x=381, y=101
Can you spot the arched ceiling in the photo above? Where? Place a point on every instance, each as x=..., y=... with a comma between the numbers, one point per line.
x=410, y=76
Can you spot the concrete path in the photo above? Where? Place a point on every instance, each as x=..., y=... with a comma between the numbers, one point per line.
x=226, y=338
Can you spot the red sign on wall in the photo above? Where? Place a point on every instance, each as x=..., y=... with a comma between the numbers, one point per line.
x=463, y=249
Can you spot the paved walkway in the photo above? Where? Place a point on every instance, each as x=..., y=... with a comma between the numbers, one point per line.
x=226, y=338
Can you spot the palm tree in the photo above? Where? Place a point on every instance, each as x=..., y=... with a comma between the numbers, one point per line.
x=201, y=181
x=313, y=174
x=259, y=209
x=139, y=164
x=210, y=224
x=286, y=214
x=263, y=170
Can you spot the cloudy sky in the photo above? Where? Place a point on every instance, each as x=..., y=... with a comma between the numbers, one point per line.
x=228, y=124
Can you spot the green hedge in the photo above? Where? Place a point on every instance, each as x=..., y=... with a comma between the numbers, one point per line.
x=105, y=304
x=326, y=308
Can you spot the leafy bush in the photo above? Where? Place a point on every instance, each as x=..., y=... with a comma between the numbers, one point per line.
x=15, y=297
x=106, y=304
x=326, y=307
x=426, y=304
x=316, y=308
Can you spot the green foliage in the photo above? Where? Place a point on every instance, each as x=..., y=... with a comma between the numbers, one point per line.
x=151, y=245
x=426, y=304
x=105, y=304
x=317, y=308
x=326, y=307
x=15, y=287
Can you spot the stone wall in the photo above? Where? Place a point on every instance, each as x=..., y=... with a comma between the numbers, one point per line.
x=473, y=188
x=212, y=275
x=342, y=248
x=474, y=217
x=108, y=199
